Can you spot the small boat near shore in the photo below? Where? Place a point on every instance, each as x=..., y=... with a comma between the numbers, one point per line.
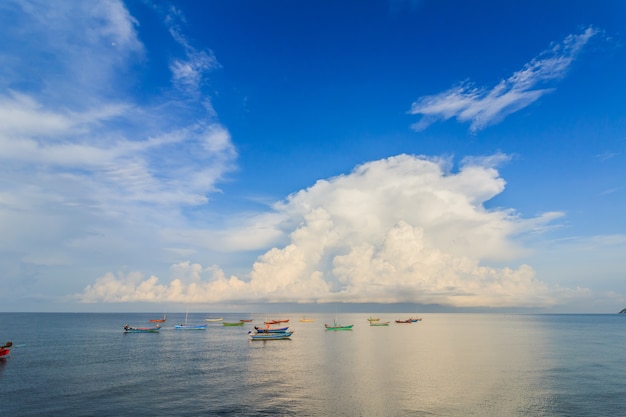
x=371, y=319
x=404, y=321
x=213, y=319
x=307, y=320
x=5, y=351
x=379, y=323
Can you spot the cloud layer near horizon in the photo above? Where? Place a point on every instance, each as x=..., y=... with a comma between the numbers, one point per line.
x=401, y=229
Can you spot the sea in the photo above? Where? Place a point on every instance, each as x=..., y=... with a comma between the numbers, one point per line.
x=79, y=364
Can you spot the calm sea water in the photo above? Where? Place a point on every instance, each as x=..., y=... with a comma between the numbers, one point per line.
x=446, y=365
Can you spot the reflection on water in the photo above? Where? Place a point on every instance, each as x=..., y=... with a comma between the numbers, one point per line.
x=483, y=365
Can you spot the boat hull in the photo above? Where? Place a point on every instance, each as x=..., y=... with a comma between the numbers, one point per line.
x=142, y=330
x=270, y=336
x=338, y=327
x=277, y=330
x=189, y=327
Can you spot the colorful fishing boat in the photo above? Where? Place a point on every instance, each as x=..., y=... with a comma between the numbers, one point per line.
x=404, y=321
x=337, y=326
x=246, y=320
x=213, y=319
x=371, y=319
x=270, y=336
x=129, y=329
x=306, y=320
x=5, y=351
x=272, y=330
x=415, y=319
x=379, y=323
x=236, y=323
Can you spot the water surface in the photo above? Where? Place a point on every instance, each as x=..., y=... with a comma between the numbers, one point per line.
x=445, y=365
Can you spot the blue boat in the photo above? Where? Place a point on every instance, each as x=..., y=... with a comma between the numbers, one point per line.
x=190, y=327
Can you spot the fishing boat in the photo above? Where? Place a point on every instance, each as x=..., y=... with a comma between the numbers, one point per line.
x=415, y=319
x=236, y=323
x=371, y=319
x=186, y=326
x=5, y=351
x=159, y=320
x=379, y=323
x=277, y=321
x=337, y=326
x=129, y=329
x=190, y=327
x=269, y=336
x=404, y=321
x=306, y=320
x=213, y=319
x=272, y=330
x=246, y=320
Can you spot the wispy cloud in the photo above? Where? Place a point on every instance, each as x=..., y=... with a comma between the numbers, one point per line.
x=481, y=106
x=402, y=229
x=86, y=166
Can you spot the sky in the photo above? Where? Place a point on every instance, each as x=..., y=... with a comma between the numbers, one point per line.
x=435, y=155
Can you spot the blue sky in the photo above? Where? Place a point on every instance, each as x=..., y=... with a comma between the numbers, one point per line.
x=232, y=155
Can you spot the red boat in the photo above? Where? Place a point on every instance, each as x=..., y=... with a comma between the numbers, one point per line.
x=404, y=321
x=4, y=350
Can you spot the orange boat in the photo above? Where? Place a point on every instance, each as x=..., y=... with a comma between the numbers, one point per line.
x=159, y=320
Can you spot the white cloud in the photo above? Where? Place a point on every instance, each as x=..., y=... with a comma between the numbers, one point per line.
x=86, y=170
x=483, y=107
x=402, y=229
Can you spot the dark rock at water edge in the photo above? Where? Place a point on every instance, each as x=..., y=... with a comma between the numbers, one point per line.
x=623, y=311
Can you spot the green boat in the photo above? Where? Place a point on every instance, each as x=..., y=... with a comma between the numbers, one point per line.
x=336, y=326
x=237, y=323
x=379, y=323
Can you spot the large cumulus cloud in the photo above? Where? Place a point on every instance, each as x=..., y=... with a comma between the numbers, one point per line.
x=402, y=229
